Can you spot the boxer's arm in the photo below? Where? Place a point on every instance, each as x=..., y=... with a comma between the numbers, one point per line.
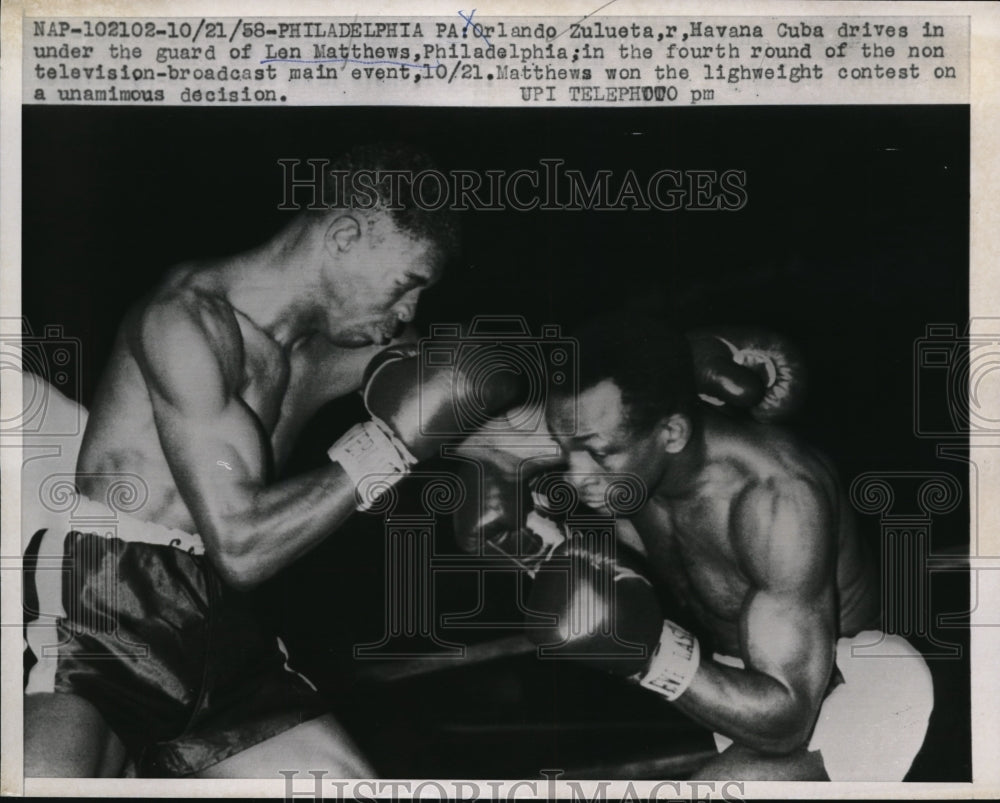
x=784, y=536
x=496, y=511
x=219, y=454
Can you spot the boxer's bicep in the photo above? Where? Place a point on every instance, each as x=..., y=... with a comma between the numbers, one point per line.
x=212, y=442
x=784, y=536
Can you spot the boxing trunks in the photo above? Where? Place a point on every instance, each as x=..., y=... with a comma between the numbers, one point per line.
x=871, y=726
x=134, y=619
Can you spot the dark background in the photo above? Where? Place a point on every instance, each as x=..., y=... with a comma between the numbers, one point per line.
x=854, y=239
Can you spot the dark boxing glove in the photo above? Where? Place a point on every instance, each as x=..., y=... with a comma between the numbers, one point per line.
x=603, y=610
x=748, y=368
x=419, y=402
x=608, y=615
x=413, y=412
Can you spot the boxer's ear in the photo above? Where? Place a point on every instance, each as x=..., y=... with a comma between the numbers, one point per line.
x=675, y=432
x=342, y=233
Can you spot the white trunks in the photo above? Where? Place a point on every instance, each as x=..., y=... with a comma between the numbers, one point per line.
x=871, y=726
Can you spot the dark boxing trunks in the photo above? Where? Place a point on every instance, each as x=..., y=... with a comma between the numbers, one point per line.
x=175, y=661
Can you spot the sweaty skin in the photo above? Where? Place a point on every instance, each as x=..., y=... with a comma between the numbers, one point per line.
x=209, y=381
x=190, y=350
x=203, y=403
x=750, y=529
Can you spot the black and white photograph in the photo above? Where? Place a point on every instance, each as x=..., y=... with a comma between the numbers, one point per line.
x=722, y=377
x=578, y=446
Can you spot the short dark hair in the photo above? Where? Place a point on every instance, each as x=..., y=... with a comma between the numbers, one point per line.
x=649, y=362
x=394, y=198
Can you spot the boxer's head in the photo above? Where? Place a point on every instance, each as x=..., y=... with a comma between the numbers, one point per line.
x=376, y=247
x=636, y=407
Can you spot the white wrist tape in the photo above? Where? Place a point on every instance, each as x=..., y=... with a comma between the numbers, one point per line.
x=550, y=535
x=674, y=662
x=371, y=450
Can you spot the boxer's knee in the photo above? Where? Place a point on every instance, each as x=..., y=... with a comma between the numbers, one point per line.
x=66, y=737
x=319, y=745
x=739, y=763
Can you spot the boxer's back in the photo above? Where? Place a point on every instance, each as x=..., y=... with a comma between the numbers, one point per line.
x=121, y=441
x=691, y=540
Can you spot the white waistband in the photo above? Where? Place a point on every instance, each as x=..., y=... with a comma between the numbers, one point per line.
x=89, y=516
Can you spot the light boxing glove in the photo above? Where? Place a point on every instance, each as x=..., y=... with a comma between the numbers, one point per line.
x=412, y=408
x=748, y=368
x=508, y=518
x=607, y=614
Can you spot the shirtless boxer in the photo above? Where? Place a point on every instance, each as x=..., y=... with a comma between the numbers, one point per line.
x=750, y=530
x=211, y=378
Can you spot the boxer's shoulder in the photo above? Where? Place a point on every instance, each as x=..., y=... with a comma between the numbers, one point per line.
x=782, y=530
x=747, y=451
x=183, y=337
x=749, y=442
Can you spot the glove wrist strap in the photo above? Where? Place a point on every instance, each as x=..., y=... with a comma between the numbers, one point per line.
x=674, y=662
x=373, y=458
x=529, y=546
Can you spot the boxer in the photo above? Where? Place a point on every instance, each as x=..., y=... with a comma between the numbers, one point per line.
x=749, y=529
x=149, y=652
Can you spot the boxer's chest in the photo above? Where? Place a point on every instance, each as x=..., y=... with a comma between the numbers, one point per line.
x=689, y=548
x=265, y=376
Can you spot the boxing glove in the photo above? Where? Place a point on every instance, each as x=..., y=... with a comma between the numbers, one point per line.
x=606, y=613
x=420, y=402
x=602, y=610
x=413, y=409
x=748, y=368
x=503, y=516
